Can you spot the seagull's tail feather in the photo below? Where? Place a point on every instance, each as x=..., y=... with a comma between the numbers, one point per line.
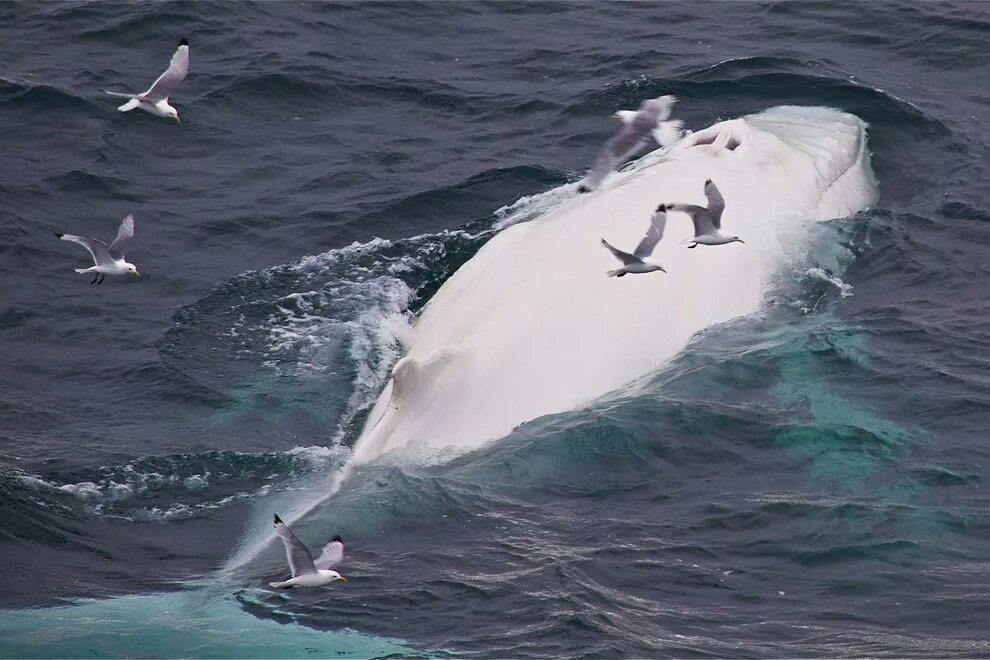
x=618, y=272
x=668, y=132
x=130, y=105
x=82, y=270
x=280, y=585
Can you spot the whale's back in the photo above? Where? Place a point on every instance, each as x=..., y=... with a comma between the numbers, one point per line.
x=532, y=325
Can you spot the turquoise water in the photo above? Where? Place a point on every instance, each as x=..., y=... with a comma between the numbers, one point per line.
x=806, y=481
x=195, y=622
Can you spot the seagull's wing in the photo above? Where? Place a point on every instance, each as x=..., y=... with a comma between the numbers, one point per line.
x=668, y=132
x=636, y=130
x=174, y=74
x=702, y=219
x=664, y=105
x=124, y=236
x=300, y=561
x=123, y=95
x=716, y=203
x=604, y=163
x=653, y=234
x=624, y=257
x=97, y=248
x=333, y=554
x=629, y=140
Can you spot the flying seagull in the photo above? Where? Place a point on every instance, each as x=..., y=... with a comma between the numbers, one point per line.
x=707, y=221
x=155, y=100
x=637, y=262
x=305, y=571
x=109, y=260
x=637, y=129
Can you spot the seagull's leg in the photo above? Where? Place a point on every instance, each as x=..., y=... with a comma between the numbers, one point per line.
x=103, y=276
x=96, y=276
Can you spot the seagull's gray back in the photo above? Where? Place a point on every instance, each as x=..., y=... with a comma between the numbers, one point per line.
x=702, y=219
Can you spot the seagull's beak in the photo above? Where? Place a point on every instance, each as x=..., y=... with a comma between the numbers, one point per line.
x=177, y=120
x=342, y=578
x=663, y=269
x=614, y=115
x=741, y=241
x=137, y=273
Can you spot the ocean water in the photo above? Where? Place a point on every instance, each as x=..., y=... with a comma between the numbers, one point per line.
x=810, y=480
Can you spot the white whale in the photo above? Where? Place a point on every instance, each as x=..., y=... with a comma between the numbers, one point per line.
x=532, y=325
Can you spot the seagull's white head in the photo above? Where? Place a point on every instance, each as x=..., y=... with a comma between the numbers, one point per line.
x=169, y=111
x=335, y=575
x=131, y=268
x=656, y=265
x=625, y=116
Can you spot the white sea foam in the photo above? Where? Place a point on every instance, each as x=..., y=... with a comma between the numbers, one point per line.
x=123, y=491
x=531, y=207
x=845, y=290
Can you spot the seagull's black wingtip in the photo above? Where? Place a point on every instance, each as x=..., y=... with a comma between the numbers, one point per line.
x=277, y=519
x=59, y=234
x=661, y=208
x=584, y=189
x=183, y=41
x=337, y=539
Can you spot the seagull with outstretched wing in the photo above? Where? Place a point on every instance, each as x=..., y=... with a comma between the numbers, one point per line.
x=155, y=100
x=707, y=220
x=638, y=127
x=107, y=259
x=305, y=571
x=637, y=262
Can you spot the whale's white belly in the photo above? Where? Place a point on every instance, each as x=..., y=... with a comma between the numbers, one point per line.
x=532, y=325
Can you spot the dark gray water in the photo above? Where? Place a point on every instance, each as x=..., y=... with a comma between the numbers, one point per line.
x=807, y=481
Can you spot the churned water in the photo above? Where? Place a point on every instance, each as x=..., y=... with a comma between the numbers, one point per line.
x=810, y=480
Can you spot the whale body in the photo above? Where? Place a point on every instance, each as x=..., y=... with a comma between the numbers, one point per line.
x=531, y=325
